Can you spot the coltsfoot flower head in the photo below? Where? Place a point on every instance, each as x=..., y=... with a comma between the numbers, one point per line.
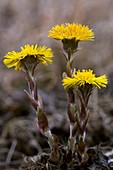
x=70, y=31
x=71, y=34
x=84, y=77
x=30, y=54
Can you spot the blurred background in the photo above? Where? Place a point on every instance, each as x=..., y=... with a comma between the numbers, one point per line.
x=28, y=22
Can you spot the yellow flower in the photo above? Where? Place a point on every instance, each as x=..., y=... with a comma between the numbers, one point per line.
x=84, y=77
x=41, y=54
x=70, y=31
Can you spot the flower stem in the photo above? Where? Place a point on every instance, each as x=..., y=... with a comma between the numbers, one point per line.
x=41, y=117
x=71, y=103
